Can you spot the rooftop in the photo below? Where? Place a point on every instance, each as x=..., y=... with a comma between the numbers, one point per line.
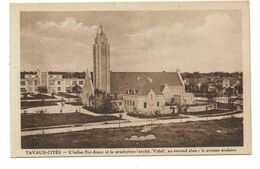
x=143, y=82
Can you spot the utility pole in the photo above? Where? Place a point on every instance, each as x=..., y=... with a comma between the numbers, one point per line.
x=120, y=117
x=42, y=118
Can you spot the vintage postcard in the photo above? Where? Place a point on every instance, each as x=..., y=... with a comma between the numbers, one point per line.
x=124, y=79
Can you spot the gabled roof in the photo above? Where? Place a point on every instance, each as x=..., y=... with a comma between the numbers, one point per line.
x=142, y=81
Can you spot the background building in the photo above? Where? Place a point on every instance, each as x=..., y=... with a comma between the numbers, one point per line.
x=54, y=82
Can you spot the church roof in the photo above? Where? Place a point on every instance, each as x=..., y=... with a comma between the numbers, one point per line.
x=143, y=82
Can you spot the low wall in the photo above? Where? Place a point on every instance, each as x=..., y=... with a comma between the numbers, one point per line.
x=201, y=108
x=170, y=109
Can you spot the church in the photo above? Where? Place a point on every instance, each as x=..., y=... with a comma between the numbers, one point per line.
x=133, y=91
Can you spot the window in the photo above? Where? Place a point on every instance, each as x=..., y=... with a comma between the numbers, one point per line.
x=23, y=90
x=158, y=104
x=145, y=105
x=151, y=96
x=59, y=89
x=130, y=102
x=120, y=103
x=133, y=103
x=74, y=82
x=58, y=82
x=22, y=83
x=80, y=82
x=127, y=102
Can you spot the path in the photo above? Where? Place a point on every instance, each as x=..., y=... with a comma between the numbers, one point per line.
x=115, y=124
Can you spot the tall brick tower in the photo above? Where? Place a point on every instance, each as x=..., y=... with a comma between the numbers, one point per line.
x=101, y=52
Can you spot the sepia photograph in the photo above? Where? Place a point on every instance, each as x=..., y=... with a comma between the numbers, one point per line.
x=130, y=79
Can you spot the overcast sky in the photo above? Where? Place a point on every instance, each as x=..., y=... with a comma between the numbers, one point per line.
x=203, y=41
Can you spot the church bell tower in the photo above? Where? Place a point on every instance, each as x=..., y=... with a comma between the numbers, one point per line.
x=101, y=53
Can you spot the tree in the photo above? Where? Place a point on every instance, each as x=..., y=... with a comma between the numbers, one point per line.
x=91, y=100
x=173, y=109
x=76, y=89
x=42, y=89
x=239, y=89
x=103, y=102
x=210, y=96
x=99, y=92
x=172, y=100
x=106, y=105
x=229, y=92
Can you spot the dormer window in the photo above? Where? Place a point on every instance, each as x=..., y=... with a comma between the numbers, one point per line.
x=128, y=92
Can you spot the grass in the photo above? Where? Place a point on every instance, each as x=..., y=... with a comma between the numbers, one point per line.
x=215, y=115
x=66, y=95
x=74, y=103
x=209, y=112
x=225, y=132
x=37, y=97
x=100, y=111
x=31, y=104
x=38, y=120
x=164, y=116
x=225, y=106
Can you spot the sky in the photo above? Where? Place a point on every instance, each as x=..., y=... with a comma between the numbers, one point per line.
x=140, y=41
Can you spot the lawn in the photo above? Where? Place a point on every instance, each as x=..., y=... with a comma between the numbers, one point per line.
x=67, y=95
x=30, y=104
x=100, y=111
x=209, y=112
x=38, y=120
x=225, y=106
x=215, y=115
x=74, y=103
x=37, y=97
x=225, y=132
x=159, y=116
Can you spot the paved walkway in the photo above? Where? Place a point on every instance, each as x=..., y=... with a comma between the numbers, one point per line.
x=68, y=108
x=115, y=124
